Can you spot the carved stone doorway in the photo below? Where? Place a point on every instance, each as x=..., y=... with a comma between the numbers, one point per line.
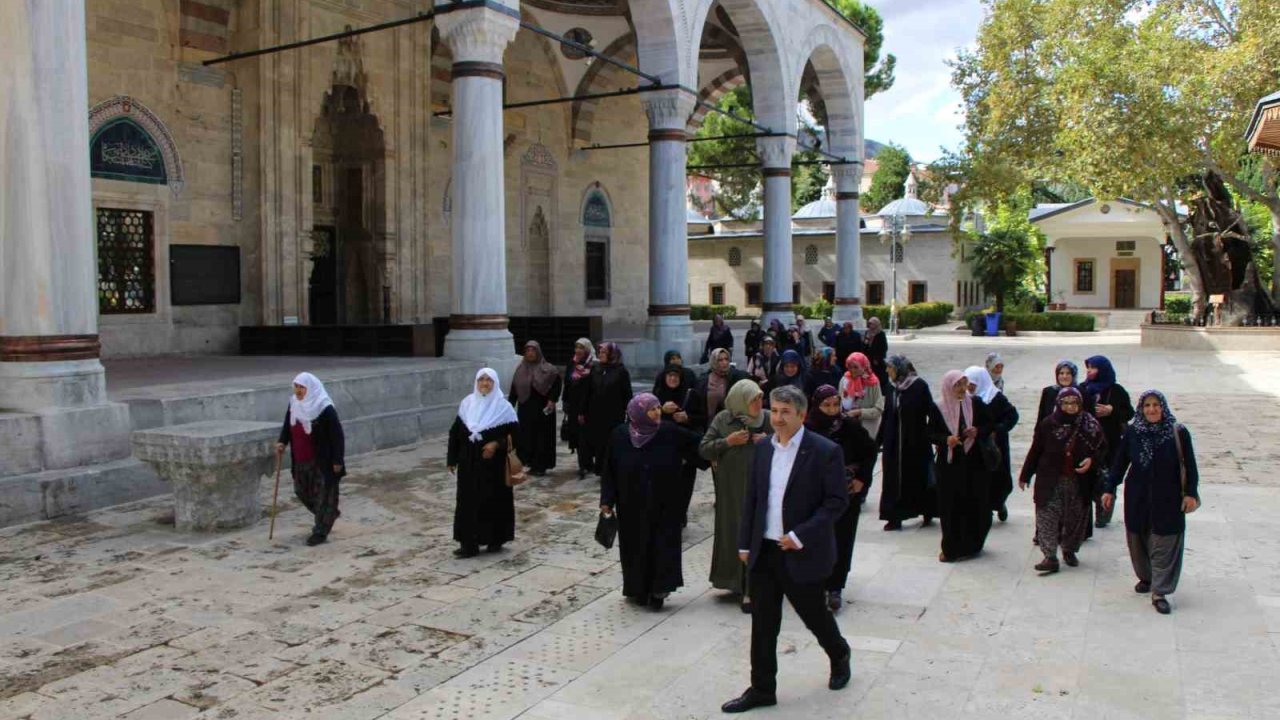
x=349, y=211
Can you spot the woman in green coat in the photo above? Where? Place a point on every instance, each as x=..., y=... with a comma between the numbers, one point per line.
x=728, y=446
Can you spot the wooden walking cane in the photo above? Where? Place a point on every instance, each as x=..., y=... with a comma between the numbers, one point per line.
x=274, y=495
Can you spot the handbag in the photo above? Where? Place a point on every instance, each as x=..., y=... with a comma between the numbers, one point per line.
x=991, y=456
x=607, y=530
x=513, y=468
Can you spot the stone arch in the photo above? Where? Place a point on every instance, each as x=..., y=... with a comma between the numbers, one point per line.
x=126, y=109
x=663, y=40
x=601, y=77
x=759, y=33
x=721, y=85
x=828, y=57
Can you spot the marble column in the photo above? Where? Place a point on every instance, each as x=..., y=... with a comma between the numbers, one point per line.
x=669, y=326
x=775, y=157
x=848, y=246
x=478, y=320
x=48, y=275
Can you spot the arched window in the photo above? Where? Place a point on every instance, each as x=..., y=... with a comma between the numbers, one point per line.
x=597, y=229
x=735, y=256
x=811, y=255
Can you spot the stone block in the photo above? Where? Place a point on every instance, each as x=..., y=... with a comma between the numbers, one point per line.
x=75, y=437
x=57, y=493
x=19, y=444
x=215, y=467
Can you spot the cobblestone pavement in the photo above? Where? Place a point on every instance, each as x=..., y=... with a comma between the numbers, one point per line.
x=118, y=615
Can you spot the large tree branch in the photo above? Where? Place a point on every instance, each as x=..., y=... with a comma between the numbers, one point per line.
x=1271, y=201
x=1219, y=18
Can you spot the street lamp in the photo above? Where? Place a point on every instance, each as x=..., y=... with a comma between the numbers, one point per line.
x=894, y=230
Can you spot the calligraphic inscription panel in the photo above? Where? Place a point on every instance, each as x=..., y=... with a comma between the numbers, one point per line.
x=122, y=150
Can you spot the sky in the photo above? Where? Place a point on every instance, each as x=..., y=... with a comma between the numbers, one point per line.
x=921, y=110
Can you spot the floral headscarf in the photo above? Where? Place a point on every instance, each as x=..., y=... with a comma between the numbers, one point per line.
x=1152, y=435
x=904, y=372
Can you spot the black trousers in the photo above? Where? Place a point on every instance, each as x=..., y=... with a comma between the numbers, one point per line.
x=770, y=582
x=846, y=535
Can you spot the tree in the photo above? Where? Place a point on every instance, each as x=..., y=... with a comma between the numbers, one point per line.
x=1002, y=260
x=891, y=175
x=1122, y=97
x=738, y=192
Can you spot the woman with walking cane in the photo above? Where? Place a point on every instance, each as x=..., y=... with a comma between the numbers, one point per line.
x=313, y=431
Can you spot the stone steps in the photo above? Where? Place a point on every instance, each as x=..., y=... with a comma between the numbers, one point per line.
x=58, y=493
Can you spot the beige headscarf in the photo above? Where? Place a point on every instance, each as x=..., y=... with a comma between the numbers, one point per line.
x=739, y=397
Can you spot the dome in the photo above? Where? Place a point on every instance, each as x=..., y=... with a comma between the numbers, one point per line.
x=822, y=208
x=908, y=205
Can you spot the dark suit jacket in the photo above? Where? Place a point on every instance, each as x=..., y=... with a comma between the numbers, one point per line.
x=817, y=494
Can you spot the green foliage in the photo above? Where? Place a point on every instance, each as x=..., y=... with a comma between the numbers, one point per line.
x=1002, y=260
x=1179, y=303
x=708, y=312
x=819, y=309
x=1258, y=218
x=1053, y=321
x=914, y=317
x=879, y=75
x=887, y=183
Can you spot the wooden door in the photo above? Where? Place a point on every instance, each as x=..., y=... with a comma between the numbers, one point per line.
x=1126, y=289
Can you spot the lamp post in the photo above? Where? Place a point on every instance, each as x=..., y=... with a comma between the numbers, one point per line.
x=894, y=230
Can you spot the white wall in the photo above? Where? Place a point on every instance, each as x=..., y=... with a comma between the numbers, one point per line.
x=1102, y=251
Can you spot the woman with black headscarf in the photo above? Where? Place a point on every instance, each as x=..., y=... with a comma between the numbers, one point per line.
x=719, y=337
x=577, y=379
x=673, y=358
x=607, y=396
x=1111, y=405
x=676, y=394
x=644, y=454
x=826, y=418
x=1157, y=465
x=755, y=336
x=535, y=390
x=1065, y=457
x=1065, y=374
x=876, y=347
x=908, y=457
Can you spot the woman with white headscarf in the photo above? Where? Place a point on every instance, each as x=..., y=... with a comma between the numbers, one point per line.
x=485, y=512
x=1004, y=416
x=314, y=434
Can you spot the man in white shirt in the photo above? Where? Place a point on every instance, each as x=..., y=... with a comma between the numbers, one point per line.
x=796, y=491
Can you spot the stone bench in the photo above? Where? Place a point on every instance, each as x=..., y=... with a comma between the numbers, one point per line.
x=215, y=468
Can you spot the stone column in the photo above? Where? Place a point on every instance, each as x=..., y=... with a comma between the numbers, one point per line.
x=669, y=326
x=478, y=321
x=848, y=246
x=775, y=156
x=48, y=275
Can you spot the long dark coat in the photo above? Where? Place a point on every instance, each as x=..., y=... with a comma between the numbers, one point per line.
x=642, y=486
x=1004, y=416
x=1153, y=494
x=574, y=403
x=1113, y=425
x=877, y=350
x=536, y=436
x=964, y=485
x=607, y=396
x=485, y=511
x=908, y=455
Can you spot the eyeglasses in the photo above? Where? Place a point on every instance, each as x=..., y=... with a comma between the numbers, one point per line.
x=1069, y=402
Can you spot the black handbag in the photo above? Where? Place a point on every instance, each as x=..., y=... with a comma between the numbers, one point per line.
x=607, y=530
x=991, y=456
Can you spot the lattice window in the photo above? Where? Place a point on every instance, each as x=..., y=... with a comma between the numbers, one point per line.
x=811, y=255
x=735, y=257
x=126, y=261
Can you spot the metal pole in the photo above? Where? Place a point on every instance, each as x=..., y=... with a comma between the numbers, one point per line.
x=893, y=265
x=420, y=17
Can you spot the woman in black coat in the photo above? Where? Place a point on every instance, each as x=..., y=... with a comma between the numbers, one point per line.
x=313, y=431
x=673, y=357
x=535, y=390
x=677, y=397
x=1004, y=416
x=607, y=396
x=484, y=512
x=957, y=429
x=643, y=456
x=1111, y=405
x=1157, y=465
x=876, y=348
x=908, y=489
x=719, y=337
x=826, y=418
x=577, y=379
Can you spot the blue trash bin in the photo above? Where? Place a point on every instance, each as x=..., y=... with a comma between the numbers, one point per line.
x=993, y=324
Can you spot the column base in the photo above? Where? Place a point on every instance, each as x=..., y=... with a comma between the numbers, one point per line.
x=663, y=333
x=484, y=348
x=35, y=386
x=849, y=312
x=782, y=312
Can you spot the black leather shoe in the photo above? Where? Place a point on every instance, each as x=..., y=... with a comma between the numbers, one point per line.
x=1162, y=606
x=1142, y=588
x=1003, y=513
x=1048, y=566
x=467, y=551
x=841, y=672
x=834, y=601
x=1070, y=558
x=893, y=525
x=315, y=539
x=749, y=700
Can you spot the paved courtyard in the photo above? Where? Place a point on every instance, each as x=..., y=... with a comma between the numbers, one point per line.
x=118, y=615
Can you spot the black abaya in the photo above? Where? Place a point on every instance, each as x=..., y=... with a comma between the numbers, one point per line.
x=536, y=436
x=608, y=393
x=485, y=512
x=640, y=484
x=859, y=451
x=964, y=486
x=1004, y=416
x=908, y=456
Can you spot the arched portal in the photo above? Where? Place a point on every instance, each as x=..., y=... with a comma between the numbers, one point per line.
x=346, y=277
x=739, y=32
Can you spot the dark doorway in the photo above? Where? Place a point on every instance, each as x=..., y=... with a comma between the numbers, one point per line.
x=323, y=283
x=1126, y=286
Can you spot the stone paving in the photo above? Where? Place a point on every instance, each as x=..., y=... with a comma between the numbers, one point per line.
x=117, y=615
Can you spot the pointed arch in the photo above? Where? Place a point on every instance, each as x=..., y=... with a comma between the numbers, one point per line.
x=119, y=110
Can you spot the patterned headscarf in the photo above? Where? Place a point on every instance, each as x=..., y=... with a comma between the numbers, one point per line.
x=994, y=359
x=955, y=409
x=1075, y=372
x=716, y=355
x=818, y=421
x=1152, y=435
x=856, y=386
x=904, y=372
x=1085, y=427
x=640, y=426
x=615, y=354
x=583, y=369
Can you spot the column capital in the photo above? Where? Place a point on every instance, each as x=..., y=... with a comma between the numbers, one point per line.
x=477, y=35
x=668, y=109
x=848, y=178
x=776, y=152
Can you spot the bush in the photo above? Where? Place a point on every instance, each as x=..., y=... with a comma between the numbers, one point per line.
x=818, y=310
x=708, y=312
x=1054, y=321
x=913, y=317
x=1179, y=303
